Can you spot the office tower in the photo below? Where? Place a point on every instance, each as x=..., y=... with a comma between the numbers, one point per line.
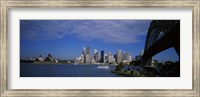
x=119, y=56
x=95, y=51
x=96, y=57
x=84, y=51
x=87, y=60
x=115, y=57
x=124, y=56
x=84, y=55
x=82, y=58
x=88, y=50
x=99, y=57
x=127, y=57
x=109, y=53
x=110, y=58
x=102, y=56
x=105, y=58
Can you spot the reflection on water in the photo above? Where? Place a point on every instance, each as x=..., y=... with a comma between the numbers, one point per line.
x=65, y=70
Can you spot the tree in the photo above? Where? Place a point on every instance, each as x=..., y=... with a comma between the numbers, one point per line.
x=133, y=63
x=120, y=66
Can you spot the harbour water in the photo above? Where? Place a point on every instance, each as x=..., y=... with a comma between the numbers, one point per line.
x=65, y=70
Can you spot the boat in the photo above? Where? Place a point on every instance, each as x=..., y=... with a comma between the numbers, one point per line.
x=103, y=67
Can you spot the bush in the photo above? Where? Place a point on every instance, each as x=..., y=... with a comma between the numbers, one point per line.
x=120, y=66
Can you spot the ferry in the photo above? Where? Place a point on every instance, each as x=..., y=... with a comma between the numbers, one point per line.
x=103, y=67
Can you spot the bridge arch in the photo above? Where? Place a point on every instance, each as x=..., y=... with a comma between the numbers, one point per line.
x=161, y=35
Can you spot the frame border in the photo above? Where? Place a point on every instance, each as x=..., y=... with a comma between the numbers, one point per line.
x=5, y=5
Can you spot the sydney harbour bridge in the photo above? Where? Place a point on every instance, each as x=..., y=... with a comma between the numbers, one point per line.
x=161, y=35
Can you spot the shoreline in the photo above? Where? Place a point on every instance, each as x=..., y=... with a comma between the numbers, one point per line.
x=127, y=73
x=60, y=63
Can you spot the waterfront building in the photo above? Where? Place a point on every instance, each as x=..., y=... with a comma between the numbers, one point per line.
x=31, y=59
x=119, y=56
x=102, y=56
x=126, y=57
x=111, y=59
x=84, y=54
x=49, y=58
x=109, y=53
x=92, y=60
x=39, y=58
x=105, y=58
x=95, y=51
x=96, y=57
x=82, y=58
x=88, y=50
x=115, y=57
x=77, y=60
x=99, y=57
x=87, y=59
x=84, y=51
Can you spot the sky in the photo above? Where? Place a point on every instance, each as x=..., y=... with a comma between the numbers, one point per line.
x=65, y=39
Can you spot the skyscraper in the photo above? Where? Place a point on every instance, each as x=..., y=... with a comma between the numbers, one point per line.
x=82, y=58
x=126, y=57
x=84, y=55
x=96, y=55
x=102, y=56
x=119, y=56
x=115, y=57
x=88, y=50
x=95, y=51
x=105, y=58
x=111, y=58
x=84, y=51
x=87, y=60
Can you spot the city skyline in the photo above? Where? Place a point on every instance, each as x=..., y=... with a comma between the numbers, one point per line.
x=65, y=39
x=102, y=56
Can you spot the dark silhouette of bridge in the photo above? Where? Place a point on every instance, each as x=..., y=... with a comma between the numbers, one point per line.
x=161, y=35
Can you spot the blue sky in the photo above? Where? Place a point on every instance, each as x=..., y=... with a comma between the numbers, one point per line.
x=65, y=39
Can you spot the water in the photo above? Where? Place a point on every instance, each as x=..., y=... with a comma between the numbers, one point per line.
x=65, y=70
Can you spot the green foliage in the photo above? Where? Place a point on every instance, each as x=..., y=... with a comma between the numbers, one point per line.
x=135, y=63
x=132, y=62
x=120, y=66
x=121, y=63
